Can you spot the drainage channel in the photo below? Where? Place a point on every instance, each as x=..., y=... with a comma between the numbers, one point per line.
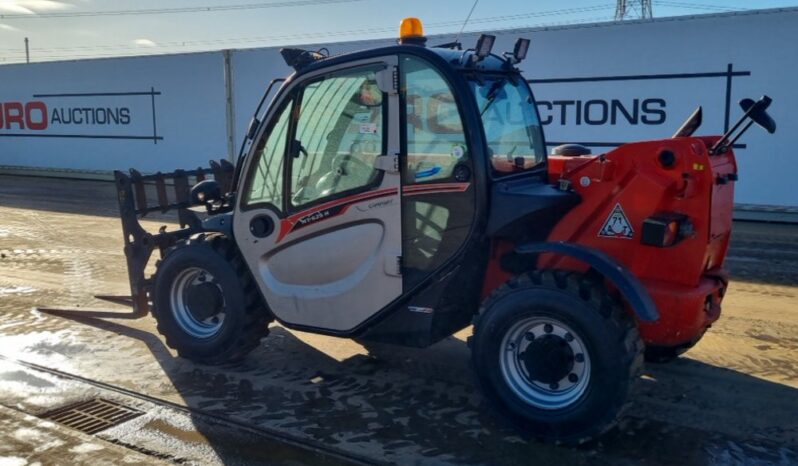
x=103, y=413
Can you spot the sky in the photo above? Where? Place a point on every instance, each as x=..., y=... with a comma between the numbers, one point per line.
x=70, y=29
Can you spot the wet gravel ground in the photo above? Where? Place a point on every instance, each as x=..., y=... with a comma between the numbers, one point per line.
x=733, y=399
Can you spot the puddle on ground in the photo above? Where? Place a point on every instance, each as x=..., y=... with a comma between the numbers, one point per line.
x=191, y=436
x=16, y=290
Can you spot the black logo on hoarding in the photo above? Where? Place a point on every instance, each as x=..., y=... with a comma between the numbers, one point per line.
x=641, y=110
x=599, y=112
x=91, y=115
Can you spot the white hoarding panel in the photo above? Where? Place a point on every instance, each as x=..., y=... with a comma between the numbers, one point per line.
x=600, y=85
x=253, y=69
x=151, y=113
x=607, y=84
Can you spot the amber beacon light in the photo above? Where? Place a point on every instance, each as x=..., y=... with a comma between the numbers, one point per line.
x=411, y=31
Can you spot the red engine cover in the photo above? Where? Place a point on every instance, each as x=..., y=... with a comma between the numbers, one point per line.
x=624, y=187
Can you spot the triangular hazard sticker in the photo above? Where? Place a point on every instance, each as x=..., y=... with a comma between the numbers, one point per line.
x=617, y=225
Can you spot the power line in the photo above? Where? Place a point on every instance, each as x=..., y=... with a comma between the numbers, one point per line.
x=462, y=28
x=134, y=53
x=326, y=34
x=162, y=11
x=699, y=6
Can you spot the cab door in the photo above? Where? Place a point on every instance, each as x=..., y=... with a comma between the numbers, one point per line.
x=319, y=216
x=438, y=196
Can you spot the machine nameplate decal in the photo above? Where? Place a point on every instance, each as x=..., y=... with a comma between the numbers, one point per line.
x=329, y=210
x=617, y=225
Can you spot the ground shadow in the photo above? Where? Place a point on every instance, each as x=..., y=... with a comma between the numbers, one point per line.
x=67, y=196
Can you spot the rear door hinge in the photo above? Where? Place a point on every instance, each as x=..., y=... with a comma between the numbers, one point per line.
x=387, y=163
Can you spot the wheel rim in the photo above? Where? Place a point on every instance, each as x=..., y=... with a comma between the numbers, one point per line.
x=202, y=315
x=545, y=363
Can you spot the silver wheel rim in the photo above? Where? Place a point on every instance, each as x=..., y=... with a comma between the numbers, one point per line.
x=181, y=311
x=560, y=394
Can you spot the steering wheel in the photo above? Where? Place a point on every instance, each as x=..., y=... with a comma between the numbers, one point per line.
x=343, y=165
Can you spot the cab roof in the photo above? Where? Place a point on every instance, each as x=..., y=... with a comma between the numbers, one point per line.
x=458, y=60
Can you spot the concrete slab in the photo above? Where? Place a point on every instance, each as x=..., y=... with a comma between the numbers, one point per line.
x=28, y=440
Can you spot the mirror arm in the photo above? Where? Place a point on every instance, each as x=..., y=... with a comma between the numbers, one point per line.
x=723, y=143
x=740, y=133
x=721, y=146
x=755, y=112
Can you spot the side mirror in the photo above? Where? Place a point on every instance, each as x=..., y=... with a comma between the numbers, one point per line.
x=758, y=112
x=205, y=192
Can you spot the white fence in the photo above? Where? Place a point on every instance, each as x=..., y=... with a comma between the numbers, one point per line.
x=599, y=84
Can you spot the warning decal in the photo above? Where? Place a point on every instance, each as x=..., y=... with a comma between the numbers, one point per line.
x=617, y=225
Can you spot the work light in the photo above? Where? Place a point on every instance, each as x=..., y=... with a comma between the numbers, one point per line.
x=520, y=49
x=484, y=46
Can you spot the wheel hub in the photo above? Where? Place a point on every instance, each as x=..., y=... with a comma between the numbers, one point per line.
x=204, y=300
x=197, y=303
x=548, y=359
x=545, y=362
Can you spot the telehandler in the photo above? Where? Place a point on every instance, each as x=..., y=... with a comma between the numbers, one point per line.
x=400, y=194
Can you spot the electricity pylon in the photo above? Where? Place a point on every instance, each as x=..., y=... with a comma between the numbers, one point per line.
x=633, y=9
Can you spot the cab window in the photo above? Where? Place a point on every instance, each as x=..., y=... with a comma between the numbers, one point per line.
x=265, y=184
x=512, y=129
x=438, y=200
x=339, y=133
x=436, y=141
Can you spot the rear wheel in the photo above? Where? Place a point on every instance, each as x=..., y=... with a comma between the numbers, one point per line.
x=664, y=354
x=206, y=303
x=557, y=354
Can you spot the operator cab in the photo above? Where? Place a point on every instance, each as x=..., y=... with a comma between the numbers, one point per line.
x=374, y=168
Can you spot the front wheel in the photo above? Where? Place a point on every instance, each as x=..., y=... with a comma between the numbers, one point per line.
x=557, y=354
x=206, y=302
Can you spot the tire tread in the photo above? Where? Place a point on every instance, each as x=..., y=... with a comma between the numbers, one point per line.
x=256, y=314
x=599, y=298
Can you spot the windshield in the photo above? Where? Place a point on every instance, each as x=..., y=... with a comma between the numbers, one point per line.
x=512, y=128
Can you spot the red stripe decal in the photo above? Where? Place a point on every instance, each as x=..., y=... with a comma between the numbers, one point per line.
x=328, y=210
x=435, y=188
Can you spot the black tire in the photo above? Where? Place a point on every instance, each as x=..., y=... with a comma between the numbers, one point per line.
x=245, y=319
x=571, y=315
x=663, y=354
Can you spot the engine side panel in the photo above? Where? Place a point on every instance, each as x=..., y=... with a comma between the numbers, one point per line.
x=624, y=187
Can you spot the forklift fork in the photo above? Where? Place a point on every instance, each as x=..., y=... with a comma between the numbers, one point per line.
x=132, y=195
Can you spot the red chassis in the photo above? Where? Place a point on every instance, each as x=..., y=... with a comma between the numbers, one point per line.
x=675, y=178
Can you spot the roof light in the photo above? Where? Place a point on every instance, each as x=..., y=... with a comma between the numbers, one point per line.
x=411, y=31
x=519, y=52
x=521, y=48
x=484, y=46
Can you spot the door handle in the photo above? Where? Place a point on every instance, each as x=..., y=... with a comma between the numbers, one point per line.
x=261, y=226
